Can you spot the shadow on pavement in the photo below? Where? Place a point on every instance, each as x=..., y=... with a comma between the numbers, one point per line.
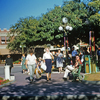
x=52, y=90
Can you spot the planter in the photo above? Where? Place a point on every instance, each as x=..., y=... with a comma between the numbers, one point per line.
x=6, y=84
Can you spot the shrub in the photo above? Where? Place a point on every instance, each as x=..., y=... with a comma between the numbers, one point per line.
x=16, y=62
x=3, y=81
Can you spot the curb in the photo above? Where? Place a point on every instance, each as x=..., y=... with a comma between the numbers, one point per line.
x=6, y=84
x=89, y=82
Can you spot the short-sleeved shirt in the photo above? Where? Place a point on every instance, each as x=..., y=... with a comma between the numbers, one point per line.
x=31, y=59
x=74, y=53
x=47, y=55
x=98, y=52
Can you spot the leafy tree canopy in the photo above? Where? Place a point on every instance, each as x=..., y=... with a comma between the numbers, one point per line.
x=31, y=31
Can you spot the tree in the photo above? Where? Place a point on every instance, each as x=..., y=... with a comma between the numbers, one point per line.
x=48, y=25
x=76, y=12
x=24, y=33
x=44, y=30
x=95, y=18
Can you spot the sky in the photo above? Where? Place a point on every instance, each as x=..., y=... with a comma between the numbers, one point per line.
x=12, y=10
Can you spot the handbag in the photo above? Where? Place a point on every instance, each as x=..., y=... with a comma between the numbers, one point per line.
x=43, y=66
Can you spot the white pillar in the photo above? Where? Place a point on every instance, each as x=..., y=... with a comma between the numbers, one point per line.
x=7, y=72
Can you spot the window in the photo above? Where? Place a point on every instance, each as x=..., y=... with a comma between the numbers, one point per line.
x=3, y=40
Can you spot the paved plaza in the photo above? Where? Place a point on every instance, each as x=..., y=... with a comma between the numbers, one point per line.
x=56, y=87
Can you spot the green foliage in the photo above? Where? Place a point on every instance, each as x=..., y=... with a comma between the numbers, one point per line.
x=49, y=23
x=17, y=61
x=86, y=77
x=95, y=18
x=44, y=30
x=3, y=81
x=23, y=33
x=95, y=5
x=1, y=78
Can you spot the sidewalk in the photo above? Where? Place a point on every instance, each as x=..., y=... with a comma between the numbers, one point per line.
x=13, y=64
x=56, y=87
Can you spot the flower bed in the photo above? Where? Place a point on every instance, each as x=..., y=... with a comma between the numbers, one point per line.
x=17, y=62
x=3, y=81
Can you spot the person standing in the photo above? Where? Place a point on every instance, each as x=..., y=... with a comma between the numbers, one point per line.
x=9, y=61
x=31, y=62
x=39, y=62
x=47, y=57
x=74, y=53
x=38, y=70
x=59, y=60
x=23, y=63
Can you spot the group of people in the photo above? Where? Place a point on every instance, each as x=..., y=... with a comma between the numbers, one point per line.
x=30, y=63
x=76, y=59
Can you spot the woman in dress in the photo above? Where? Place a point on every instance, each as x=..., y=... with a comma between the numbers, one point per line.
x=59, y=60
x=47, y=56
x=23, y=63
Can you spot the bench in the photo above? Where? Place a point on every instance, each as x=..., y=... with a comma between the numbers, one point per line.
x=76, y=73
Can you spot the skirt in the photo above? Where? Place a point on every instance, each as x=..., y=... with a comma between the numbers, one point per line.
x=49, y=65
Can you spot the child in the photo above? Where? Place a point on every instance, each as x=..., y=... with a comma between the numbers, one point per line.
x=38, y=69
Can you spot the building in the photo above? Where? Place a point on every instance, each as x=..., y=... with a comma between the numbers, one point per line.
x=3, y=46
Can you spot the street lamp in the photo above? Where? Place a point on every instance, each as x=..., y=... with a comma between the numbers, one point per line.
x=65, y=28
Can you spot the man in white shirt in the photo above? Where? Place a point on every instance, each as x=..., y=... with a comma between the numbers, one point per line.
x=31, y=61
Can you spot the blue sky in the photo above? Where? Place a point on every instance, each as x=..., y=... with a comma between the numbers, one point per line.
x=12, y=10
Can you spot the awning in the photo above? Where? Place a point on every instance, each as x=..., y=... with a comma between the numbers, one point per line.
x=84, y=45
x=4, y=51
x=7, y=51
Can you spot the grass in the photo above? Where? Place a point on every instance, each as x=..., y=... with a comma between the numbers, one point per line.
x=92, y=77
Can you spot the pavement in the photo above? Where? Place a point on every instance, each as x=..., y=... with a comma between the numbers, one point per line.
x=57, y=88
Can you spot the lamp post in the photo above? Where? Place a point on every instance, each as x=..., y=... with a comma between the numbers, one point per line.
x=65, y=27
